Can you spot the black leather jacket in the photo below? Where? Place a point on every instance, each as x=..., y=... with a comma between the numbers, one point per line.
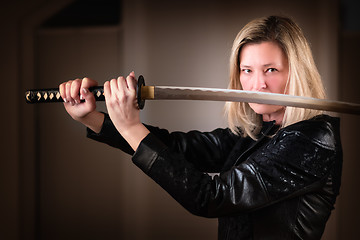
x=281, y=186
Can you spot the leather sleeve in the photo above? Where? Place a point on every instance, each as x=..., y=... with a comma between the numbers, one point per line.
x=207, y=151
x=289, y=165
x=110, y=136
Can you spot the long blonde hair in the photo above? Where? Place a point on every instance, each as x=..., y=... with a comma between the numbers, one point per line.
x=303, y=80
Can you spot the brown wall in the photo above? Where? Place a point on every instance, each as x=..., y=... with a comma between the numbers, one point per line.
x=55, y=184
x=349, y=208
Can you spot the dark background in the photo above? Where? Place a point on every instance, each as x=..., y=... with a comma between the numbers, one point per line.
x=56, y=184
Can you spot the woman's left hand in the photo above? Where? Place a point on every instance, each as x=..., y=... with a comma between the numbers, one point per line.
x=121, y=102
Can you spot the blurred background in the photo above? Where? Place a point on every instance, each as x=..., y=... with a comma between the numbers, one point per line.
x=57, y=184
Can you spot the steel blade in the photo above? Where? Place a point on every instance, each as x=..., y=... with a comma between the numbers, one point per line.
x=229, y=95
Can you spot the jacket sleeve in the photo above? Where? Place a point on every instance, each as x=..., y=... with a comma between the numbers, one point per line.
x=289, y=165
x=109, y=135
x=206, y=150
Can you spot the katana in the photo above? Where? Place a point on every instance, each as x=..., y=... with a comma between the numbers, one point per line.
x=207, y=94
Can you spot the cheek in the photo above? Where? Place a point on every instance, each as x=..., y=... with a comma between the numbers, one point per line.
x=277, y=84
x=245, y=83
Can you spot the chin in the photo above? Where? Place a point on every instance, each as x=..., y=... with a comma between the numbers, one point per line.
x=264, y=108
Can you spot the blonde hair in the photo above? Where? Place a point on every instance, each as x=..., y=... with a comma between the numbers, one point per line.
x=303, y=80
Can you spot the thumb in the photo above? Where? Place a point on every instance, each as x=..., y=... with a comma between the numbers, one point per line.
x=87, y=95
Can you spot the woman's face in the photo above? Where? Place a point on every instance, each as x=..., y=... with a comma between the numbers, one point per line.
x=264, y=68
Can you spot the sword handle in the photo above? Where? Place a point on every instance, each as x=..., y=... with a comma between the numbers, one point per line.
x=52, y=95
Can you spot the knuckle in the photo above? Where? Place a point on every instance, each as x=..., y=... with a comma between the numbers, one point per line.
x=112, y=103
x=132, y=93
x=85, y=81
x=123, y=99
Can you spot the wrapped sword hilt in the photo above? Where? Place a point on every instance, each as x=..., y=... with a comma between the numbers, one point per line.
x=52, y=95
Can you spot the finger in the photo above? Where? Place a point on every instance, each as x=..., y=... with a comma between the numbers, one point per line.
x=121, y=89
x=107, y=90
x=68, y=92
x=87, y=95
x=87, y=83
x=131, y=83
x=114, y=88
x=132, y=74
x=62, y=91
x=75, y=90
x=122, y=86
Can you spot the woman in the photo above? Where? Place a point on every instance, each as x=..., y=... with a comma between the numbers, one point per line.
x=279, y=167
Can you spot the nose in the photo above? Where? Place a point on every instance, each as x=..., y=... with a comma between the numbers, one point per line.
x=259, y=82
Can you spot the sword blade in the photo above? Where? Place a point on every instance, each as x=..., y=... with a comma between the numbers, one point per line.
x=229, y=95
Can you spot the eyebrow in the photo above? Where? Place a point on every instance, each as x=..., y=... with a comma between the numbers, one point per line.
x=244, y=66
x=265, y=65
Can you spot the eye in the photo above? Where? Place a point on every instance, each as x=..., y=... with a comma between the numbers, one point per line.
x=271, y=70
x=245, y=70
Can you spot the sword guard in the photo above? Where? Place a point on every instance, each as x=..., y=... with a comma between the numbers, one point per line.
x=140, y=84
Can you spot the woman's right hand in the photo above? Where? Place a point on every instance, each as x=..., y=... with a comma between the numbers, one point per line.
x=72, y=92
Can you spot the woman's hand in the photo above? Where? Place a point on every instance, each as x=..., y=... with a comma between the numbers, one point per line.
x=121, y=102
x=72, y=92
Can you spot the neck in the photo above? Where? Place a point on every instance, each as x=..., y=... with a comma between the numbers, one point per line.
x=276, y=116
